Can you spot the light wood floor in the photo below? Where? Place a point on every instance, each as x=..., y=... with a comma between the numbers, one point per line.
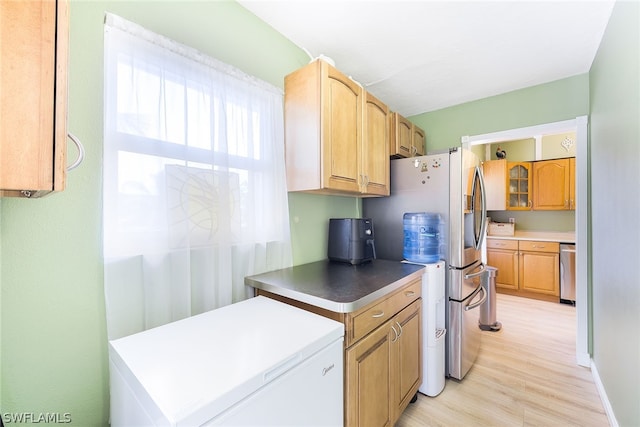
x=525, y=375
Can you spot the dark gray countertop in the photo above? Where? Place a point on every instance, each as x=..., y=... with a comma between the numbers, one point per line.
x=339, y=287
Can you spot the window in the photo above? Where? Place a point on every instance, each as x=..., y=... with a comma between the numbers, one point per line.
x=194, y=177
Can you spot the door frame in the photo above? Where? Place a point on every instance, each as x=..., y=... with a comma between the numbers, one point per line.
x=580, y=126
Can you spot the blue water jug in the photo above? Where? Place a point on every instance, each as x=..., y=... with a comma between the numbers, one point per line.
x=422, y=237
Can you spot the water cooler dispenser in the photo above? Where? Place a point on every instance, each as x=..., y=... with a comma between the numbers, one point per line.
x=433, y=329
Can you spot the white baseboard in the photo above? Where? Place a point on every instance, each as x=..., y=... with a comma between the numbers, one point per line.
x=583, y=359
x=603, y=396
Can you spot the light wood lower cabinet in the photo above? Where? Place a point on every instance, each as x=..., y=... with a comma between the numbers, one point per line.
x=383, y=370
x=368, y=380
x=539, y=267
x=406, y=362
x=383, y=353
x=503, y=255
x=526, y=268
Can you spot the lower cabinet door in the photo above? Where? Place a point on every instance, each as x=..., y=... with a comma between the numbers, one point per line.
x=406, y=356
x=368, y=383
x=539, y=272
x=506, y=261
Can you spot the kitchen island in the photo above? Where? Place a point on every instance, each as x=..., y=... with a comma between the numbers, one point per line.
x=380, y=305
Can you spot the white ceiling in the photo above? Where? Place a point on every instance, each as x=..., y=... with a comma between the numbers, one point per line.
x=419, y=56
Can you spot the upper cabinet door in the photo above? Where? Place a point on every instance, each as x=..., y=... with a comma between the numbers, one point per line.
x=519, y=186
x=495, y=175
x=417, y=141
x=551, y=183
x=375, y=147
x=400, y=140
x=336, y=134
x=341, y=129
x=33, y=83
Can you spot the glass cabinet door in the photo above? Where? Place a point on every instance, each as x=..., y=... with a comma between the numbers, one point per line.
x=519, y=184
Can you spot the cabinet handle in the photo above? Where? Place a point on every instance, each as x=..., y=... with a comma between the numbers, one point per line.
x=539, y=246
x=396, y=334
x=80, y=158
x=399, y=327
x=378, y=314
x=409, y=294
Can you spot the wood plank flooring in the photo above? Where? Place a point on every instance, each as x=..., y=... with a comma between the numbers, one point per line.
x=525, y=375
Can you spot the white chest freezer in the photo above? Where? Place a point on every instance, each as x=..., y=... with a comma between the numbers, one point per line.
x=258, y=362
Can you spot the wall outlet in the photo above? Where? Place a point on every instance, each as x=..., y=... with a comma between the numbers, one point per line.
x=512, y=220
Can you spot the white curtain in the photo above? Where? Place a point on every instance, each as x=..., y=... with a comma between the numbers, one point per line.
x=194, y=180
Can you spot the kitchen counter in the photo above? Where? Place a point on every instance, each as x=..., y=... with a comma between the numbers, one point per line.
x=338, y=287
x=542, y=236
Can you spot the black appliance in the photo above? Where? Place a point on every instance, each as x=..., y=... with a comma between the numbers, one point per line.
x=351, y=240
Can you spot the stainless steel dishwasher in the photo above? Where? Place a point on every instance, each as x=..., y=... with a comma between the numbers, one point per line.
x=568, y=273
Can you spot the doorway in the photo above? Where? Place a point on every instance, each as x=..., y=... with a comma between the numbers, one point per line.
x=579, y=126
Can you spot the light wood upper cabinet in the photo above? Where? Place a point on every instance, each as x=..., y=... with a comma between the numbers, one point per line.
x=573, y=200
x=326, y=117
x=519, y=186
x=417, y=141
x=375, y=148
x=401, y=133
x=552, y=184
x=495, y=175
x=406, y=139
x=539, y=185
x=33, y=102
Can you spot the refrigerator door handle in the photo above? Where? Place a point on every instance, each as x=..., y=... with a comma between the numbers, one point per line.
x=482, y=266
x=483, y=206
x=468, y=306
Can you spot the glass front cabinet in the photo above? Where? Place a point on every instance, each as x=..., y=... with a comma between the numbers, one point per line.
x=519, y=186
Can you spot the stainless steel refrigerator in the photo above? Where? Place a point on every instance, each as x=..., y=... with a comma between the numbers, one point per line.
x=450, y=184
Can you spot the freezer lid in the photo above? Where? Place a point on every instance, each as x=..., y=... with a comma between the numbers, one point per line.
x=188, y=371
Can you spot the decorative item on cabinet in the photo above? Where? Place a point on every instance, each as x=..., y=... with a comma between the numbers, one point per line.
x=327, y=115
x=34, y=40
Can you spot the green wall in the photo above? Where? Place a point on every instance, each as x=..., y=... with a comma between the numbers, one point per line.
x=53, y=329
x=53, y=340
x=564, y=99
x=615, y=203
x=561, y=100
